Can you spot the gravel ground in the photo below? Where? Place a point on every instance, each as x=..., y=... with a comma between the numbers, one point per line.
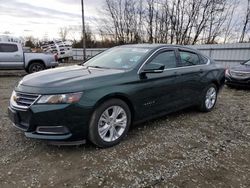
x=183, y=149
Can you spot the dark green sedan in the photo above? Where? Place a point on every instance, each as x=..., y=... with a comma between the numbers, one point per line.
x=102, y=98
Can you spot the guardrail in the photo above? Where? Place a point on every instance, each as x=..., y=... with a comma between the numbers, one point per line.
x=225, y=54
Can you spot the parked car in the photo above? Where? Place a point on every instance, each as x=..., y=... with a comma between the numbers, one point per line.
x=13, y=57
x=100, y=99
x=239, y=75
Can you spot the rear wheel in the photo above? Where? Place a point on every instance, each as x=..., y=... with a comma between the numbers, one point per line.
x=109, y=123
x=36, y=67
x=209, y=98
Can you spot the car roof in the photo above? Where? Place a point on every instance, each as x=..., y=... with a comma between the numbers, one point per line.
x=156, y=46
x=3, y=42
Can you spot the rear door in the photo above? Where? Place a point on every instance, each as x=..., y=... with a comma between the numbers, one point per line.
x=158, y=90
x=190, y=73
x=10, y=56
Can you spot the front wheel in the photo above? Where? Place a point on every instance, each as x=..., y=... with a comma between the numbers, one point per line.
x=209, y=98
x=109, y=123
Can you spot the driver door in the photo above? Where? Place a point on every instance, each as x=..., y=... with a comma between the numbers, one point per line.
x=158, y=90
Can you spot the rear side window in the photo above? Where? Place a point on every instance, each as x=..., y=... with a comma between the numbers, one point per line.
x=204, y=60
x=189, y=58
x=8, y=48
x=166, y=58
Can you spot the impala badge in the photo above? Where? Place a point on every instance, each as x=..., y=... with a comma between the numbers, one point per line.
x=150, y=103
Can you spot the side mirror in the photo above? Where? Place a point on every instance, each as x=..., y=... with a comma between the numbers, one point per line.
x=153, y=68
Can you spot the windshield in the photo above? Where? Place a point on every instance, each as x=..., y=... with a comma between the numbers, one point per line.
x=118, y=58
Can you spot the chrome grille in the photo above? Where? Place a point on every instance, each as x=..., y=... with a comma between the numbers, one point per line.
x=23, y=100
x=240, y=75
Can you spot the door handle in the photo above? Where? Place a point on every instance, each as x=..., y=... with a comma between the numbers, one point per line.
x=17, y=55
x=201, y=70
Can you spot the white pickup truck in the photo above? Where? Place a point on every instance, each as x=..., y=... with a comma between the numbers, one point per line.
x=12, y=57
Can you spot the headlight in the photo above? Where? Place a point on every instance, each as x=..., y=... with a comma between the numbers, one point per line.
x=60, y=98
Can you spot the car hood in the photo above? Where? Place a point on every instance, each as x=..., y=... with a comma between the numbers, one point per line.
x=65, y=79
x=241, y=68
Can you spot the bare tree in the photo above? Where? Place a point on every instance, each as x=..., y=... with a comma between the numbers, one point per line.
x=126, y=17
x=30, y=42
x=246, y=21
x=201, y=19
x=218, y=15
x=63, y=32
x=230, y=24
x=149, y=19
x=7, y=32
x=170, y=21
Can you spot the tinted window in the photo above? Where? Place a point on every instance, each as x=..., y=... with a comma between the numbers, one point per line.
x=189, y=58
x=8, y=48
x=203, y=60
x=166, y=58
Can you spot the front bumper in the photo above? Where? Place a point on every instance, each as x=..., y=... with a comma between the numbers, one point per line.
x=237, y=82
x=58, y=123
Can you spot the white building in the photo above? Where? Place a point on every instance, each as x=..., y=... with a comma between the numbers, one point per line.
x=7, y=38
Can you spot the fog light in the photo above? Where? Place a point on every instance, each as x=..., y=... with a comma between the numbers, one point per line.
x=52, y=130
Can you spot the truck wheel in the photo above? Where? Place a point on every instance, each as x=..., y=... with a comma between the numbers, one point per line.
x=36, y=67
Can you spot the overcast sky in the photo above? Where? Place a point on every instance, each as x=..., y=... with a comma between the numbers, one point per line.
x=39, y=18
x=44, y=17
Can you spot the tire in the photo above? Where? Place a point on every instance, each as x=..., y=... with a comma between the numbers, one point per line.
x=35, y=67
x=208, y=102
x=104, y=129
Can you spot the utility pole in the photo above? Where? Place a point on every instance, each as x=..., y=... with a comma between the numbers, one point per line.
x=83, y=33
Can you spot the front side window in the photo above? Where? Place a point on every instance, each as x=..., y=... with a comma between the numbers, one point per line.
x=189, y=58
x=8, y=48
x=118, y=58
x=166, y=58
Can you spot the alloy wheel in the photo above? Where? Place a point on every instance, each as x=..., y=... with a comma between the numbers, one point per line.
x=112, y=123
x=37, y=68
x=210, y=97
